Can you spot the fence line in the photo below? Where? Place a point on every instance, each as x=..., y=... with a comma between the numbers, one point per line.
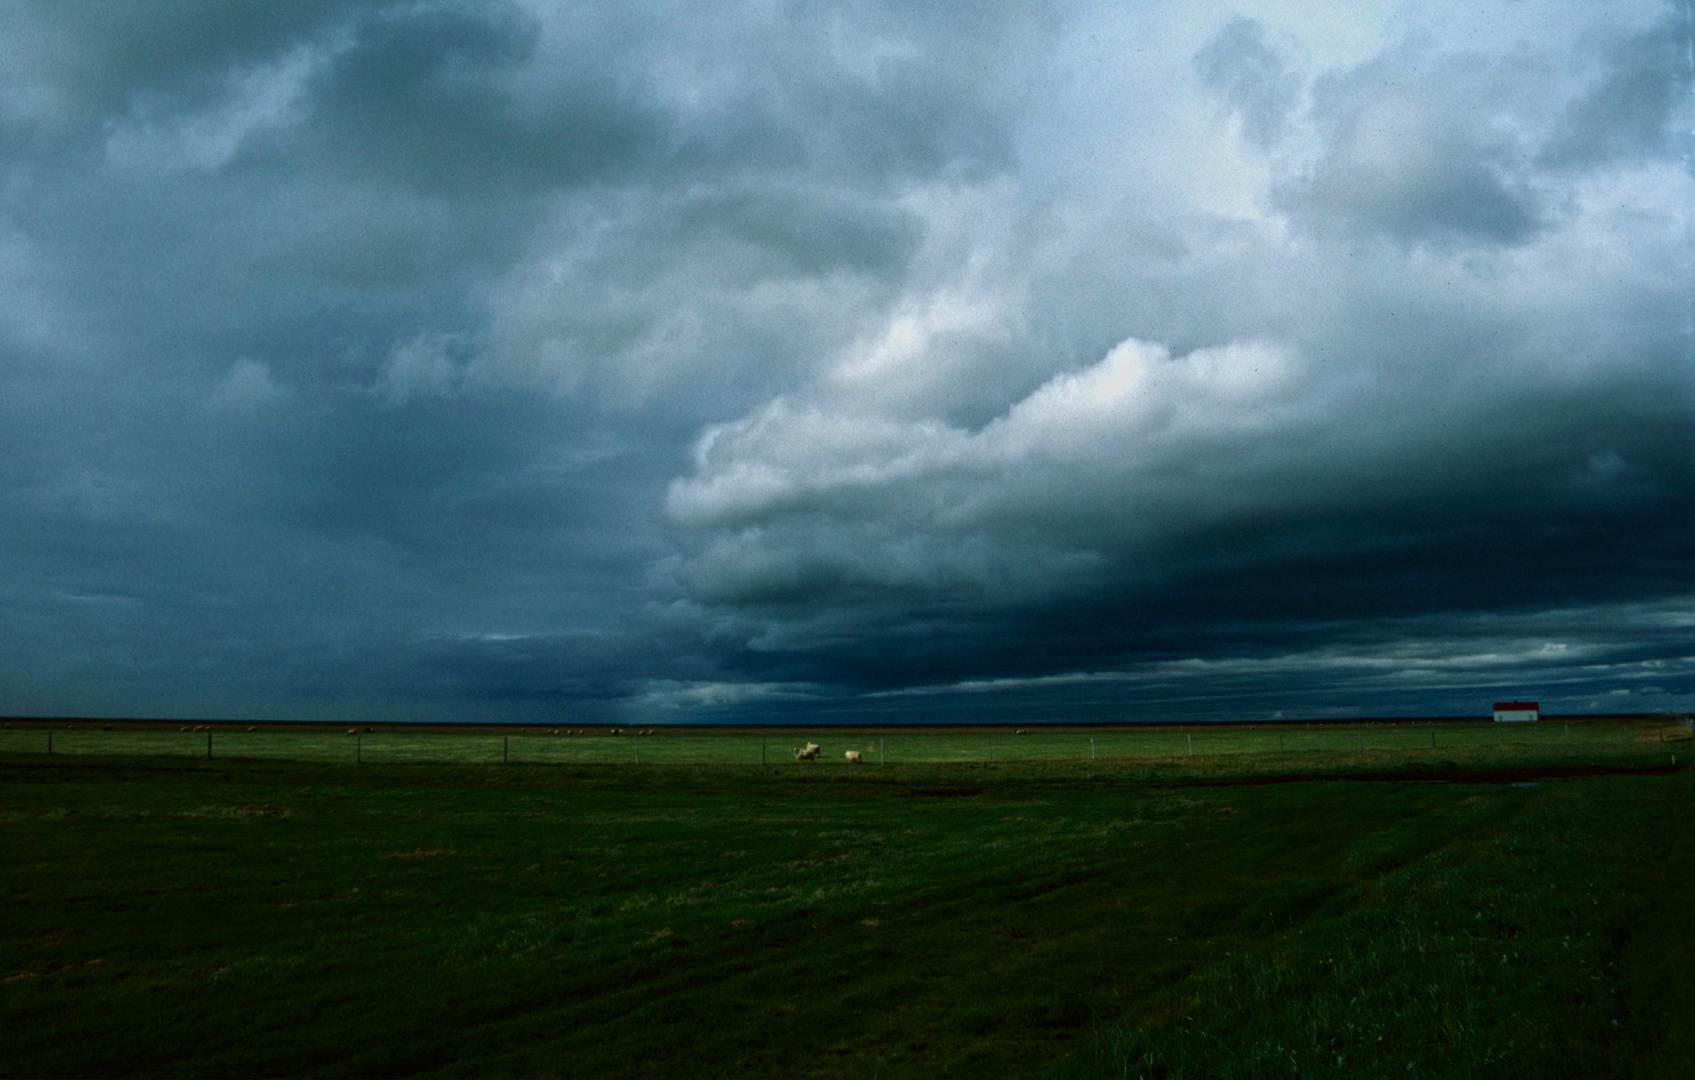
x=905, y=748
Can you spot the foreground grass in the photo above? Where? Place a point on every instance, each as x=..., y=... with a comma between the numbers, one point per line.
x=181, y=917
x=1553, y=942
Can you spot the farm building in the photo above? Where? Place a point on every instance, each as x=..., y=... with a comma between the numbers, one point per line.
x=1508, y=711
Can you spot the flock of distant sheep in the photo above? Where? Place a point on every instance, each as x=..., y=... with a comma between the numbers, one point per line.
x=809, y=752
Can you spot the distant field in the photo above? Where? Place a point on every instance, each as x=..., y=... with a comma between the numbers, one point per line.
x=1205, y=747
x=1147, y=914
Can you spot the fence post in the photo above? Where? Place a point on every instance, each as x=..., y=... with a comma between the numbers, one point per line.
x=1191, y=739
x=881, y=757
x=1091, y=748
x=208, y=744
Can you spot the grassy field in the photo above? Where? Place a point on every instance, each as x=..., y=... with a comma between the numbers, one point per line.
x=1402, y=742
x=1146, y=914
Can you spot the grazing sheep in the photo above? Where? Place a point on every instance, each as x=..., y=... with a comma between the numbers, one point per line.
x=852, y=757
x=353, y=731
x=254, y=728
x=183, y=728
x=1020, y=731
x=809, y=752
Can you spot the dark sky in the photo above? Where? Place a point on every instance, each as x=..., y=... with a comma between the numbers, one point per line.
x=650, y=361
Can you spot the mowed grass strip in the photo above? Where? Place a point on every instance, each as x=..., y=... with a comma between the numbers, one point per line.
x=182, y=917
x=1206, y=747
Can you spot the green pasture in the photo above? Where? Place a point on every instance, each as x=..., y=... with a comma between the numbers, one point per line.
x=1206, y=746
x=1144, y=915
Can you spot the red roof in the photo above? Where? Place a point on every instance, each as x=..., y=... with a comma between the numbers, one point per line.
x=1501, y=706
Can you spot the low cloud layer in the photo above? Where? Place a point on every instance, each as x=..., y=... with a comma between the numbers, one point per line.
x=468, y=360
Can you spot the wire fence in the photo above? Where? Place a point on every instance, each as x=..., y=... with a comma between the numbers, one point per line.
x=660, y=746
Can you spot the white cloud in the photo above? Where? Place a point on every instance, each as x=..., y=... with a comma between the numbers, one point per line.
x=155, y=137
x=673, y=696
x=247, y=386
x=1125, y=422
x=431, y=364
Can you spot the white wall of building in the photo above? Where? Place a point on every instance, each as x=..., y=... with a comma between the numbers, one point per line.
x=1516, y=715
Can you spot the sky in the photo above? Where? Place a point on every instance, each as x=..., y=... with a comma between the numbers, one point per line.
x=661, y=362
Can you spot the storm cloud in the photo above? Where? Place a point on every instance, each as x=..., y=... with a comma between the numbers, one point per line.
x=509, y=361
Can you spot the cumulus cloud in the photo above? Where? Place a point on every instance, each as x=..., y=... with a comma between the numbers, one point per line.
x=1128, y=423
x=431, y=363
x=1254, y=78
x=247, y=386
x=1419, y=147
x=1636, y=106
x=492, y=359
x=158, y=135
x=1381, y=430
